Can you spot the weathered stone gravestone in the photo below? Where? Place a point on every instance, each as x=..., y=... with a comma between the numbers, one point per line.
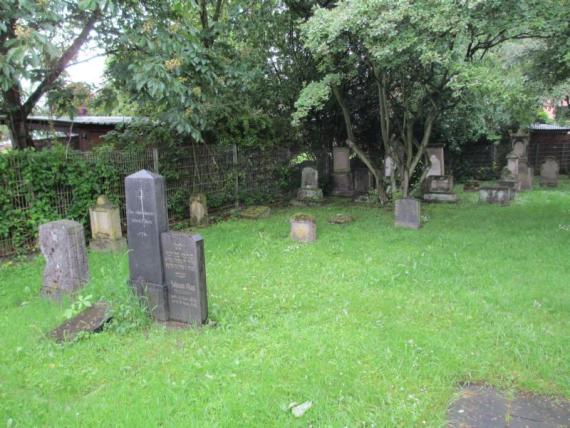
x=198, y=210
x=303, y=228
x=147, y=219
x=525, y=175
x=362, y=181
x=495, y=195
x=407, y=213
x=549, y=172
x=342, y=177
x=255, y=212
x=105, y=222
x=309, y=191
x=91, y=320
x=512, y=165
x=388, y=166
x=63, y=245
x=512, y=187
x=440, y=189
x=520, y=141
x=436, y=159
x=185, y=276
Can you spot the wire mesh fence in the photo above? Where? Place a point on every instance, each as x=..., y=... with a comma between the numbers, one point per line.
x=227, y=176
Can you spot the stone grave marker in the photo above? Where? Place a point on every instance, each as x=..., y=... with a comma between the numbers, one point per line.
x=440, y=189
x=407, y=213
x=255, y=212
x=309, y=191
x=362, y=181
x=496, y=195
x=303, y=228
x=185, y=277
x=105, y=222
x=147, y=219
x=525, y=175
x=198, y=210
x=91, y=320
x=436, y=159
x=549, y=172
x=63, y=245
x=388, y=166
x=342, y=177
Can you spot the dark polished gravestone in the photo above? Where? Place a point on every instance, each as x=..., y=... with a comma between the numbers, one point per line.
x=481, y=406
x=147, y=218
x=185, y=277
x=63, y=245
x=91, y=320
x=407, y=213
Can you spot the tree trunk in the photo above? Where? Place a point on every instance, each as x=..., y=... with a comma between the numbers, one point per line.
x=16, y=119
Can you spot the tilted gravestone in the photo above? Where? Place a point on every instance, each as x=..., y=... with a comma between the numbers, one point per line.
x=185, y=277
x=549, y=172
x=63, y=245
x=198, y=210
x=407, y=213
x=147, y=218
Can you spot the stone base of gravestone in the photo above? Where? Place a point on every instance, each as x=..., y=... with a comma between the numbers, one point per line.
x=471, y=186
x=105, y=244
x=341, y=219
x=362, y=181
x=440, y=197
x=154, y=297
x=495, y=195
x=310, y=195
x=185, y=277
x=255, y=212
x=303, y=228
x=63, y=245
x=91, y=320
x=342, y=184
x=513, y=186
x=407, y=213
x=198, y=210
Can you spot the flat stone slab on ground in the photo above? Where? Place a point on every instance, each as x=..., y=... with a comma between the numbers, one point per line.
x=341, y=219
x=91, y=320
x=440, y=197
x=484, y=407
x=255, y=212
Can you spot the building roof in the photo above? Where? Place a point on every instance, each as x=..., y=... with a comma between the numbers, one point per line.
x=83, y=120
x=549, y=128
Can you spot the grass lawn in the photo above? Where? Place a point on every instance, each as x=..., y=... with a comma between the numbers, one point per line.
x=375, y=325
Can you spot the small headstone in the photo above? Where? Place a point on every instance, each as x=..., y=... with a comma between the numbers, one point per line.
x=549, y=171
x=63, y=245
x=341, y=219
x=147, y=219
x=303, y=228
x=309, y=191
x=407, y=213
x=471, y=186
x=440, y=189
x=91, y=320
x=106, y=226
x=513, y=186
x=255, y=212
x=198, y=210
x=436, y=159
x=185, y=276
x=495, y=195
x=342, y=184
x=513, y=164
x=525, y=175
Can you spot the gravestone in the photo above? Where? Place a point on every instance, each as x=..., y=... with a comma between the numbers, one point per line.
x=309, y=191
x=440, y=189
x=91, y=320
x=63, y=245
x=147, y=219
x=255, y=212
x=407, y=213
x=342, y=177
x=105, y=222
x=471, y=186
x=525, y=175
x=520, y=141
x=303, y=228
x=198, y=210
x=436, y=159
x=185, y=277
x=496, y=195
x=549, y=172
x=362, y=181
x=513, y=164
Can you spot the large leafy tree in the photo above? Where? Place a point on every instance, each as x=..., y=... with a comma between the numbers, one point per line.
x=38, y=40
x=425, y=57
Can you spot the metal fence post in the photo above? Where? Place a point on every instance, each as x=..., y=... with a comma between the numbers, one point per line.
x=155, y=159
x=236, y=173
